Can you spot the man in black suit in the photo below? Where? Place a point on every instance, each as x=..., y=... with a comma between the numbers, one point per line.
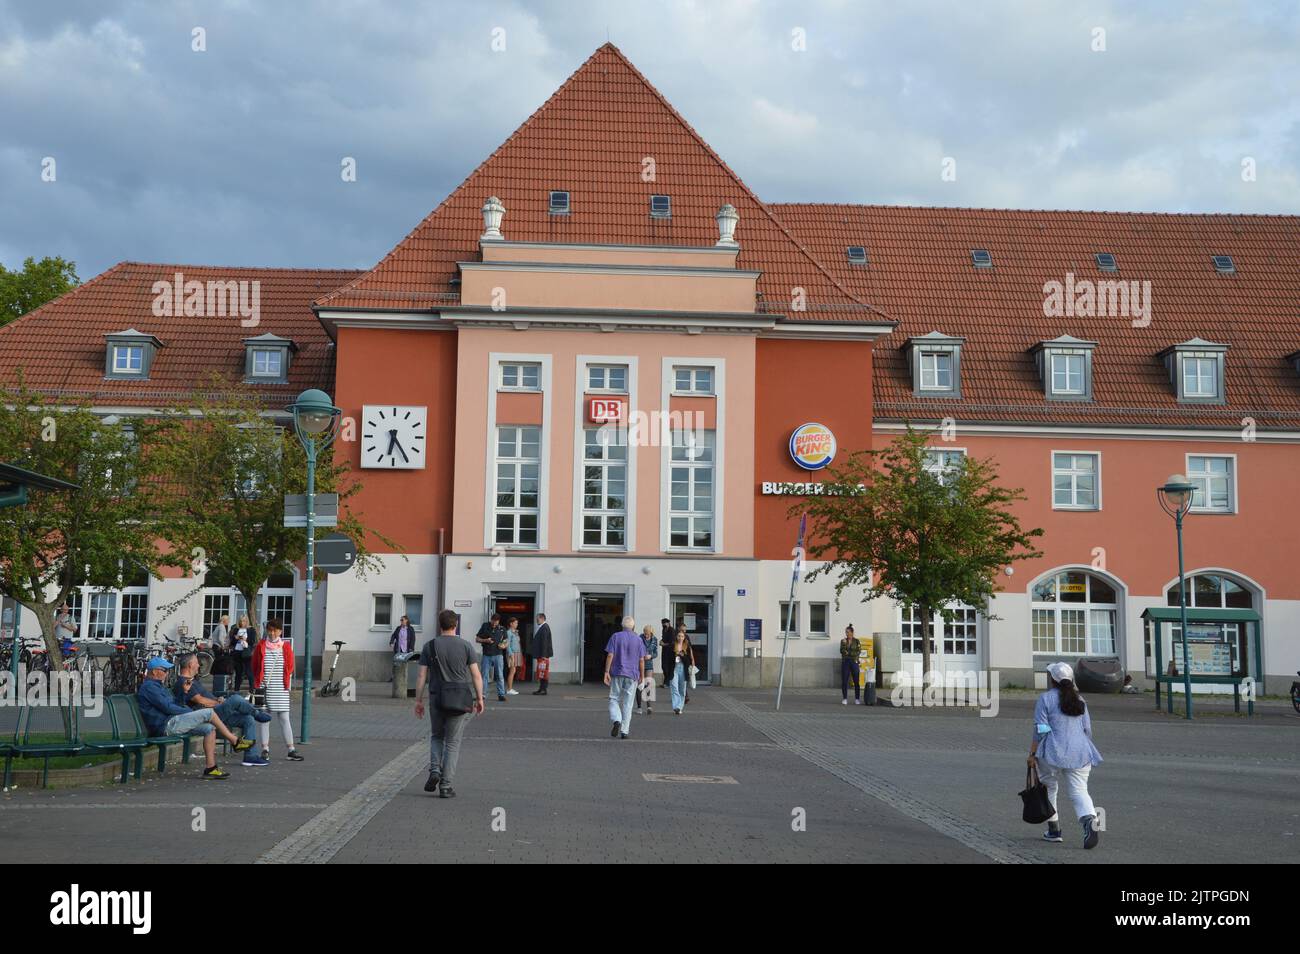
x=542, y=650
x=666, y=649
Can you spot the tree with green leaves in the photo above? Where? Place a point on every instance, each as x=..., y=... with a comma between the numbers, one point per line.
x=224, y=468
x=63, y=539
x=897, y=526
x=26, y=289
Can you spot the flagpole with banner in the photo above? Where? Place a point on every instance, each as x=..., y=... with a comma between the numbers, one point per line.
x=796, y=572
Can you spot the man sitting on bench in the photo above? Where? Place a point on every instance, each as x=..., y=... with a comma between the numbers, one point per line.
x=235, y=710
x=162, y=716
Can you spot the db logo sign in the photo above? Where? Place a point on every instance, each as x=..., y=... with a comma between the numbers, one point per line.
x=812, y=446
x=605, y=411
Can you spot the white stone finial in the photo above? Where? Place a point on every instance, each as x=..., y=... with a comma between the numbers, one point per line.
x=727, y=218
x=493, y=213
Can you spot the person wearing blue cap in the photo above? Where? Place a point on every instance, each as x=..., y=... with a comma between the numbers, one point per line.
x=162, y=716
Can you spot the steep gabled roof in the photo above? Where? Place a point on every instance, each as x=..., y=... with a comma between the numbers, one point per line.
x=595, y=138
x=920, y=273
x=60, y=346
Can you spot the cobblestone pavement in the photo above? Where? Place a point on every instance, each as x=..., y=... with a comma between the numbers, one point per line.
x=731, y=780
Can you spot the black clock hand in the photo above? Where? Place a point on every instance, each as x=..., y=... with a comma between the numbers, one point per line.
x=402, y=452
x=392, y=439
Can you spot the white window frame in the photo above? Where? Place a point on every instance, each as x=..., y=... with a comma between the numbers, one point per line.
x=489, y=422
x=668, y=379
x=692, y=514
x=517, y=465
x=941, y=631
x=1195, y=476
x=608, y=436
x=520, y=368
x=819, y=633
x=276, y=353
x=935, y=460
x=128, y=350
x=1216, y=366
x=374, y=611
x=606, y=369
x=406, y=611
x=693, y=373
x=797, y=622
x=1074, y=488
x=1088, y=607
x=1067, y=357
x=935, y=370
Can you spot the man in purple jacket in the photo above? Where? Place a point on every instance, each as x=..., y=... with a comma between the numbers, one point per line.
x=624, y=670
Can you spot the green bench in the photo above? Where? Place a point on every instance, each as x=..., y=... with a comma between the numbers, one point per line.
x=41, y=732
x=113, y=730
x=127, y=715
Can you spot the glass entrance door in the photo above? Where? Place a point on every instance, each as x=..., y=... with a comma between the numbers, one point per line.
x=696, y=612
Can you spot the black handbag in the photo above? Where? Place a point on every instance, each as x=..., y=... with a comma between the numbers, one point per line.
x=453, y=697
x=1038, y=807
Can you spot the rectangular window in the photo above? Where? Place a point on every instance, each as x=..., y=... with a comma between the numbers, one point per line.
x=693, y=380
x=1101, y=636
x=521, y=377
x=128, y=359
x=607, y=377
x=518, y=485
x=559, y=203
x=268, y=363
x=1074, y=631
x=413, y=607
x=1212, y=477
x=1044, y=630
x=819, y=615
x=788, y=618
x=382, y=613
x=661, y=206
x=102, y=622
x=1068, y=373
x=1200, y=376
x=944, y=464
x=1075, y=484
x=690, y=508
x=936, y=370
x=135, y=614
x=280, y=606
x=604, y=487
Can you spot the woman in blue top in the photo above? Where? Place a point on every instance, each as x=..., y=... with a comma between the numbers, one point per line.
x=1062, y=749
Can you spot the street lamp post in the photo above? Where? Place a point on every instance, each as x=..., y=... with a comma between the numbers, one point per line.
x=1176, y=499
x=315, y=421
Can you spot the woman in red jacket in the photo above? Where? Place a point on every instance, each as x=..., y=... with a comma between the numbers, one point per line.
x=272, y=669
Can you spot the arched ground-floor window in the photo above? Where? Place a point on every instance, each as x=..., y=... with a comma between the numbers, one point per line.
x=1215, y=590
x=1074, y=613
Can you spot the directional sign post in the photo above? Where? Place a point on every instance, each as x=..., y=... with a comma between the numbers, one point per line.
x=335, y=553
x=325, y=513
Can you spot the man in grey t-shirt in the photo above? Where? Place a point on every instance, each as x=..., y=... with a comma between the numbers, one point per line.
x=452, y=660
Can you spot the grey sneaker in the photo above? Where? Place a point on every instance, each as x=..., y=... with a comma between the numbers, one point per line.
x=1053, y=833
x=1090, y=834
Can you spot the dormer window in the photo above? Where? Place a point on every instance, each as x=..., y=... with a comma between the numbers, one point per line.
x=1065, y=368
x=559, y=204
x=266, y=359
x=129, y=354
x=936, y=365
x=661, y=207
x=1196, y=369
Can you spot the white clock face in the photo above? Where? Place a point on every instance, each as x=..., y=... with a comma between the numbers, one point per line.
x=393, y=436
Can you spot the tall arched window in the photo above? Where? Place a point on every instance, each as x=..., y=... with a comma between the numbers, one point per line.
x=1074, y=614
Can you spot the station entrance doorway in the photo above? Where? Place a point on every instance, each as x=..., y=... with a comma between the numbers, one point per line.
x=523, y=607
x=602, y=617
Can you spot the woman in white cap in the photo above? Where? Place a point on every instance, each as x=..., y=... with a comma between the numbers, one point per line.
x=1062, y=749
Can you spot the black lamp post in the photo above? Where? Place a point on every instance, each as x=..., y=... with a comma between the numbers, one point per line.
x=1176, y=499
x=315, y=421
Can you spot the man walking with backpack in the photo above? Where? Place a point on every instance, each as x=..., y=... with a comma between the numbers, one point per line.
x=492, y=641
x=455, y=696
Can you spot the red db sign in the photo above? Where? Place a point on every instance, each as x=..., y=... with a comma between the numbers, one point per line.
x=604, y=410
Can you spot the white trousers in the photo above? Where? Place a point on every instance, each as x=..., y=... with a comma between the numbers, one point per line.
x=1076, y=786
x=264, y=730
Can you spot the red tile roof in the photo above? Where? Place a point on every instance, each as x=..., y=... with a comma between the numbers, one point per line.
x=590, y=138
x=920, y=274
x=60, y=347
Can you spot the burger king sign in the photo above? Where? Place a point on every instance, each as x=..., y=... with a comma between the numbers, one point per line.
x=812, y=446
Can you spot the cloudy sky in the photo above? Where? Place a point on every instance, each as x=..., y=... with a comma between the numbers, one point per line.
x=231, y=156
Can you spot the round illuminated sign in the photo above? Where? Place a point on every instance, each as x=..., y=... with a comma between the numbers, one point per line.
x=812, y=446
